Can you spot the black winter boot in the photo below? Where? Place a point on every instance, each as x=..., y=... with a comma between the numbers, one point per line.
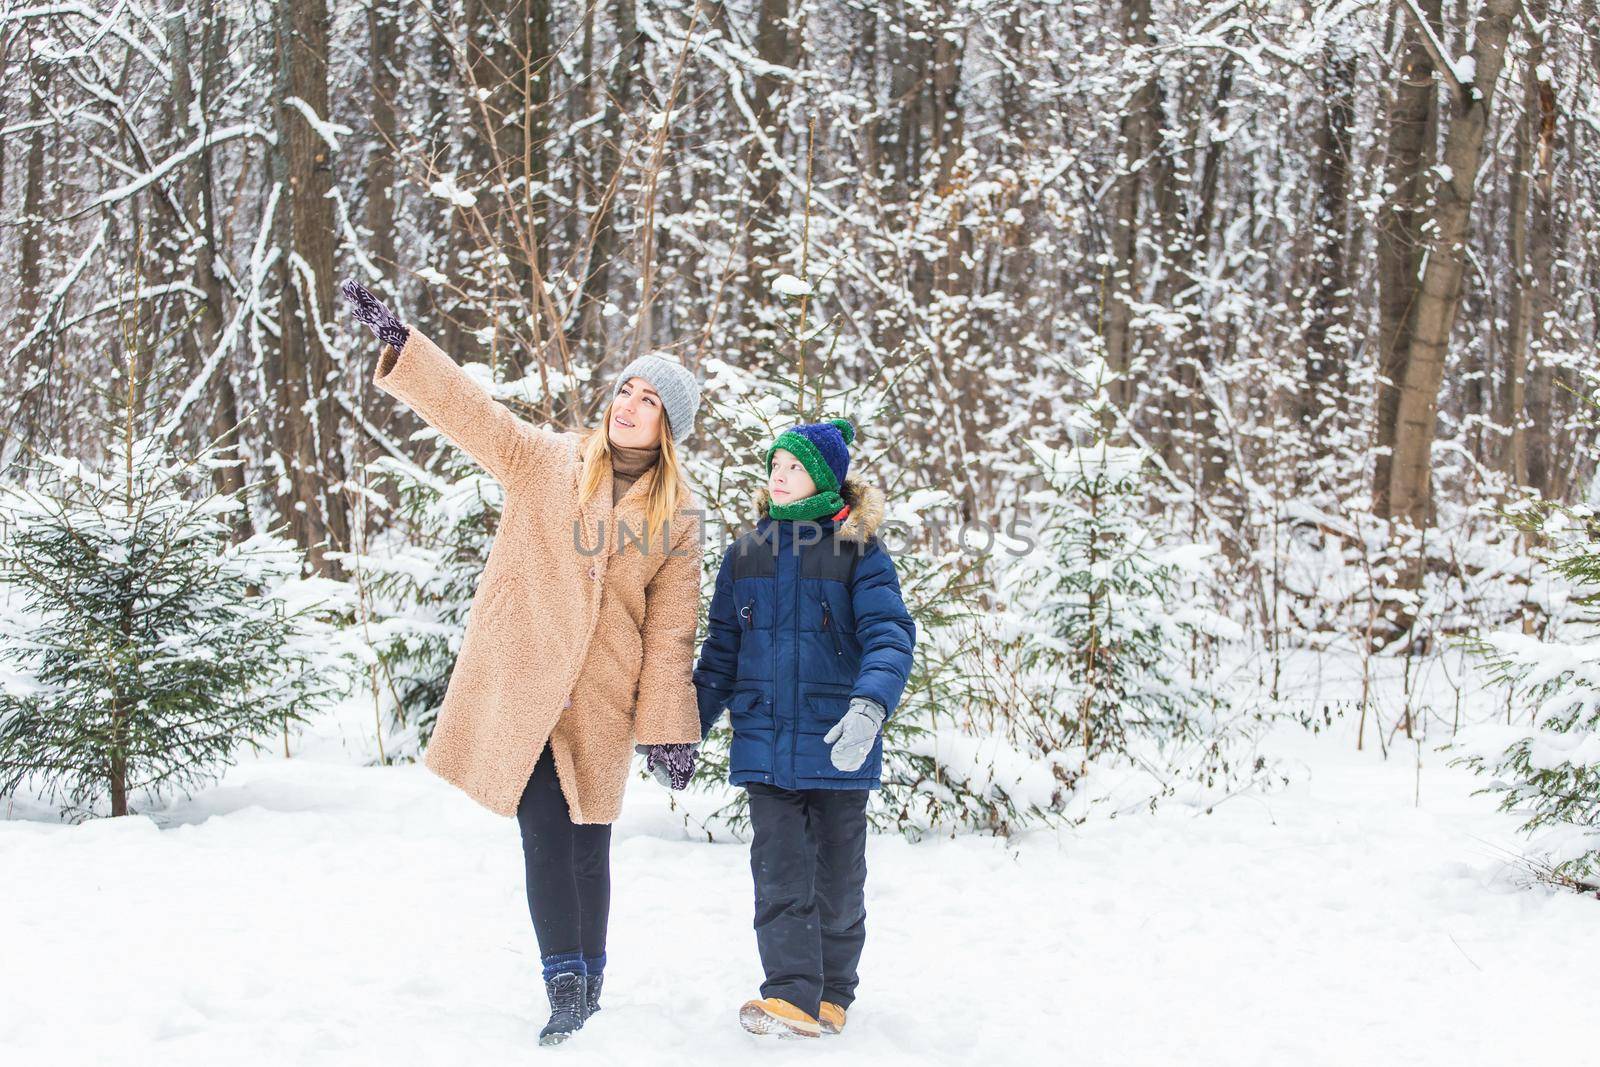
x=592, y=996
x=567, y=991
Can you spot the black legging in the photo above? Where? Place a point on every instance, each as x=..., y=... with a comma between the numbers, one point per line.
x=569, y=870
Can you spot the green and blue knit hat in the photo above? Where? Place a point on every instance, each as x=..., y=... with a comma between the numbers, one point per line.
x=823, y=449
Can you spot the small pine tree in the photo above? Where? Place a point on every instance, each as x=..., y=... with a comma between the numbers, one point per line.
x=1111, y=640
x=942, y=769
x=1546, y=768
x=145, y=647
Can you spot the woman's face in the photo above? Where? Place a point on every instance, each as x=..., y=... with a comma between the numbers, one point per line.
x=635, y=416
x=789, y=480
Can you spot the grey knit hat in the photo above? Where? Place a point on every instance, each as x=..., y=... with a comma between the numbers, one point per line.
x=679, y=392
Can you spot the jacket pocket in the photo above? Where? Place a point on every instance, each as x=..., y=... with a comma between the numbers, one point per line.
x=821, y=706
x=821, y=709
x=750, y=718
x=742, y=704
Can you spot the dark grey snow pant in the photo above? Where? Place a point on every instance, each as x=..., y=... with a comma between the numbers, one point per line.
x=808, y=857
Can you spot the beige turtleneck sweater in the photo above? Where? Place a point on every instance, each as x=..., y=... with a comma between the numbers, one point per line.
x=627, y=464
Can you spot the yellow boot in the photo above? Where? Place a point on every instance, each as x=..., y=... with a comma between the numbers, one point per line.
x=831, y=1017
x=775, y=1016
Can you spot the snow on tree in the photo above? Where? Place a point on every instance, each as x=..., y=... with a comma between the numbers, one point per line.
x=143, y=647
x=1544, y=761
x=1109, y=635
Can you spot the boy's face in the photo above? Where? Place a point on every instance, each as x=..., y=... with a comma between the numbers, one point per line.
x=789, y=480
x=636, y=415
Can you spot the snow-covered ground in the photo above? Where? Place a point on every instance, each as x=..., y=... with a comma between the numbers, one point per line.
x=311, y=911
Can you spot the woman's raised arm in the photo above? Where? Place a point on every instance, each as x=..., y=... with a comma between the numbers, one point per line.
x=414, y=369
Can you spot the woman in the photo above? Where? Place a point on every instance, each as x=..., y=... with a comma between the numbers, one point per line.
x=581, y=634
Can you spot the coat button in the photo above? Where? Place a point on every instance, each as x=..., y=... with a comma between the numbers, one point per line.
x=568, y=704
x=593, y=572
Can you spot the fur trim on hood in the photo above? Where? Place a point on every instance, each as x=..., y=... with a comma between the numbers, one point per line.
x=866, y=509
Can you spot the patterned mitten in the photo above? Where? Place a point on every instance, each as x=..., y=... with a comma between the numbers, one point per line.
x=367, y=308
x=671, y=765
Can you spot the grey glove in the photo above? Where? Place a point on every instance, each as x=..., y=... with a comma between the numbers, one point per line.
x=853, y=735
x=671, y=765
x=366, y=307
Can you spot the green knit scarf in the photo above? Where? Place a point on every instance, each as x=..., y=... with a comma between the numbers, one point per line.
x=815, y=506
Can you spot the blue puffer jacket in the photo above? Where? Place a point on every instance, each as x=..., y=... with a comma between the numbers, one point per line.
x=805, y=616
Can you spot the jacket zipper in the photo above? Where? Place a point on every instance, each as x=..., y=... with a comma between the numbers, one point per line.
x=794, y=705
x=747, y=616
x=827, y=624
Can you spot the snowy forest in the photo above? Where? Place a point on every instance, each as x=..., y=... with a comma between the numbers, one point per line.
x=1231, y=369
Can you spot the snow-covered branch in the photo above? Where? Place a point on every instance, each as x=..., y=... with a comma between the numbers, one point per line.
x=177, y=159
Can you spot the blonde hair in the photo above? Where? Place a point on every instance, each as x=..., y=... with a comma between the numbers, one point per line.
x=666, y=491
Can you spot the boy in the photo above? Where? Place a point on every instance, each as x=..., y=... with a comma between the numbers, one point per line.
x=809, y=647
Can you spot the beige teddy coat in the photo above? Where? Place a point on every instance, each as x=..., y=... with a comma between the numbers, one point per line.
x=588, y=650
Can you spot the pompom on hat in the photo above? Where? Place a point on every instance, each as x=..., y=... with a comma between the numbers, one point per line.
x=823, y=448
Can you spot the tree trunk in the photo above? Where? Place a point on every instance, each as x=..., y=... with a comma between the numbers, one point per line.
x=1532, y=433
x=1510, y=399
x=383, y=55
x=1328, y=333
x=952, y=273
x=584, y=151
x=602, y=225
x=307, y=416
x=1412, y=125
x=1438, y=296
x=440, y=142
x=197, y=196
x=1138, y=131
x=536, y=138
x=767, y=210
x=117, y=775
x=482, y=143
x=30, y=249
x=31, y=245
x=1191, y=267
x=5, y=58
